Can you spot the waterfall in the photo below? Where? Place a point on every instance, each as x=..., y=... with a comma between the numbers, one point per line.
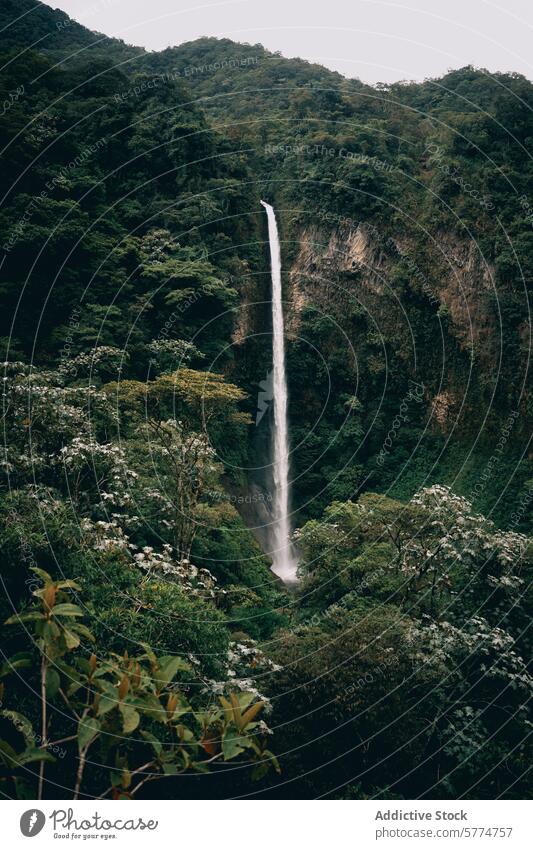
x=284, y=561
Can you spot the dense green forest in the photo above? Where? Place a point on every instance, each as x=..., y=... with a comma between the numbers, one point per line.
x=148, y=651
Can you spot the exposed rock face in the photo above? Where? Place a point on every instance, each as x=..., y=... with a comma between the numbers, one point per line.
x=465, y=288
x=245, y=315
x=342, y=270
x=358, y=263
x=443, y=409
x=243, y=324
x=427, y=301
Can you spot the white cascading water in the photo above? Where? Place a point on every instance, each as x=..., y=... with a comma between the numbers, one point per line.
x=284, y=560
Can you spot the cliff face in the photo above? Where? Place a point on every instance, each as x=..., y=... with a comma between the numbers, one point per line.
x=337, y=267
x=346, y=265
x=345, y=273
x=351, y=269
x=466, y=288
x=373, y=313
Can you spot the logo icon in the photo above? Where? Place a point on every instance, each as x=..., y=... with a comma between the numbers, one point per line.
x=265, y=396
x=32, y=822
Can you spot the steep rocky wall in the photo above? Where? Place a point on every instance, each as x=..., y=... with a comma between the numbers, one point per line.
x=335, y=266
x=396, y=282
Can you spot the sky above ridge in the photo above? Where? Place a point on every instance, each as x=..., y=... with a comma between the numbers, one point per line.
x=375, y=40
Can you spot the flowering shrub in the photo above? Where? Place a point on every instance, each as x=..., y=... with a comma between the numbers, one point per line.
x=195, y=581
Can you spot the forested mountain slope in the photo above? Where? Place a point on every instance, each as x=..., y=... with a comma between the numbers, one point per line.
x=406, y=220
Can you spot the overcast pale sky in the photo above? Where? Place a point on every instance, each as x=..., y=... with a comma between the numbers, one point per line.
x=375, y=40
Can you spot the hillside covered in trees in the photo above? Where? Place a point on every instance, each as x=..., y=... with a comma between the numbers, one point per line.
x=148, y=649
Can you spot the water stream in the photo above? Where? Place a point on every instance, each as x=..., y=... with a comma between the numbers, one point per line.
x=284, y=560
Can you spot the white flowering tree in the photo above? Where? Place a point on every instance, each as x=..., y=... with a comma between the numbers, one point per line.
x=169, y=421
x=485, y=691
x=438, y=548
x=456, y=549
x=59, y=433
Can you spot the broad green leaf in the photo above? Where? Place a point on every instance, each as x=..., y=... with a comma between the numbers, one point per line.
x=30, y=616
x=179, y=712
x=66, y=609
x=72, y=641
x=170, y=769
x=168, y=667
x=244, y=699
x=108, y=688
x=50, y=631
x=151, y=706
x=154, y=742
x=8, y=754
x=130, y=718
x=260, y=770
x=68, y=585
x=233, y=744
x=21, y=723
x=32, y=755
x=74, y=686
x=82, y=630
x=149, y=654
x=200, y=767
x=84, y=665
x=88, y=730
x=70, y=671
x=17, y=661
x=272, y=759
x=44, y=576
x=106, y=703
x=53, y=682
x=185, y=734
